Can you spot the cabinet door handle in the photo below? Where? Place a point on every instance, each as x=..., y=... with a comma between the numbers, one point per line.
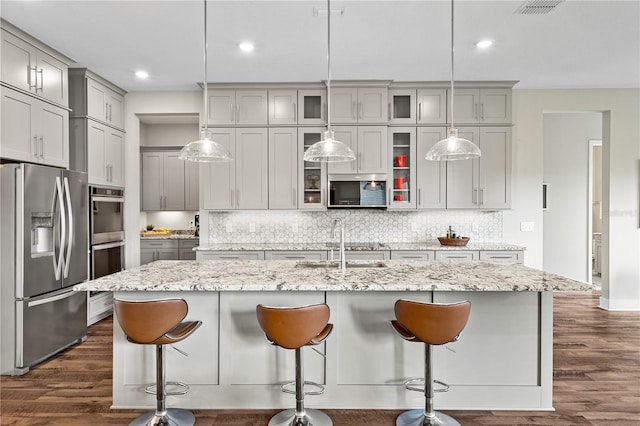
x=35, y=146
x=481, y=196
x=322, y=202
x=106, y=111
x=419, y=196
x=389, y=110
x=474, y=197
x=324, y=113
x=41, y=72
x=110, y=113
x=237, y=113
x=359, y=161
x=419, y=111
x=232, y=112
x=294, y=197
x=360, y=110
x=482, y=111
x=41, y=146
x=295, y=113
x=161, y=202
x=475, y=110
x=389, y=200
x=31, y=71
x=237, y=197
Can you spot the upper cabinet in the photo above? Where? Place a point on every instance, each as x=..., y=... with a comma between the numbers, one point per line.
x=27, y=66
x=312, y=107
x=237, y=107
x=432, y=106
x=431, y=176
x=402, y=106
x=283, y=168
x=283, y=107
x=93, y=97
x=242, y=183
x=312, y=176
x=401, y=182
x=33, y=130
x=369, y=143
x=482, y=106
x=104, y=152
x=361, y=105
x=163, y=181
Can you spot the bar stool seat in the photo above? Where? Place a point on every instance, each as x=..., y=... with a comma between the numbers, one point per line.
x=431, y=324
x=159, y=323
x=294, y=328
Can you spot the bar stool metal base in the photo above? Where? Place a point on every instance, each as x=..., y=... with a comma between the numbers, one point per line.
x=312, y=418
x=417, y=418
x=173, y=417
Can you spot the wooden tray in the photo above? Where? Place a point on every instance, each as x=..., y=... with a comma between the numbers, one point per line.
x=462, y=241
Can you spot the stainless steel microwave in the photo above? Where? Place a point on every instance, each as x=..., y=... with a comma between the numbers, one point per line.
x=357, y=191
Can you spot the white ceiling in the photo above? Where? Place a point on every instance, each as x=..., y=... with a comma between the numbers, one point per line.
x=581, y=44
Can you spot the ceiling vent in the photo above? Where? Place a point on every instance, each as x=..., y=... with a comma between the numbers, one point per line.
x=537, y=7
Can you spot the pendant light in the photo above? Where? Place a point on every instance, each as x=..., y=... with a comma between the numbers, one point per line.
x=453, y=147
x=329, y=150
x=205, y=150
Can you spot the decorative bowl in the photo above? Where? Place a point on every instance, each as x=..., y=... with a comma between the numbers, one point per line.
x=462, y=241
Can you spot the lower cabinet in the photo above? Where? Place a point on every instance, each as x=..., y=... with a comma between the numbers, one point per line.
x=364, y=255
x=165, y=249
x=231, y=255
x=513, y=256
x=296, y=255
x=412, y=255
x=457, y=255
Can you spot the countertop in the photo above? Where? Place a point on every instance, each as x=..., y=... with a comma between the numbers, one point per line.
x=358, y=246
x=174, y=235
x=397, y=275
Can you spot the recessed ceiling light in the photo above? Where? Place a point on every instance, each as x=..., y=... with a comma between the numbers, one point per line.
x=142, y=74
x=483, y=44
x=246, y=47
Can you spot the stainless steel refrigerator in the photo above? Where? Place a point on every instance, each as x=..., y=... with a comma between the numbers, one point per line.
x=43, y=252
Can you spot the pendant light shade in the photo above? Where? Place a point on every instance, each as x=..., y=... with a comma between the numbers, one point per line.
x=329, y=150
x=205, y=149
x=453, y=147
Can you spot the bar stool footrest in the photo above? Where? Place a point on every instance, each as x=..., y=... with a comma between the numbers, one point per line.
x=418, y=418
x=286, y=388
x=417, y=385
x=182, y=389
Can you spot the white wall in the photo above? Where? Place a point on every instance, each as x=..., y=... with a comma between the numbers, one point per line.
x=566, y=147
x=145, y=103
x=621, y=181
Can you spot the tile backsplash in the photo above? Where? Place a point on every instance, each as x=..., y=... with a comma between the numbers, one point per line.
x=360, y=226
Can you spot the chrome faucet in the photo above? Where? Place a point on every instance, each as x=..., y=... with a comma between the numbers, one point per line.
x=343, y=261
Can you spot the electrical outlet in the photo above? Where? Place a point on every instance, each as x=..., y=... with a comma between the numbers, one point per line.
x=252, y=227
x=526, y=226
x=294, y=227
x=191, y=224
x=229, y=227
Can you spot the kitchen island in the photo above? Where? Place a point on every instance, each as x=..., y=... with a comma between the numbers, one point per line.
x=503, y=359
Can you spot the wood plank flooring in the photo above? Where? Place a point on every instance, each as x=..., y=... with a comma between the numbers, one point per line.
x=596, y=381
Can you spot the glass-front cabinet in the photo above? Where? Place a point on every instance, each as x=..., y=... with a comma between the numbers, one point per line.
x=402, y=106
x=312, y=106
x=402, y=181
x=312, y=177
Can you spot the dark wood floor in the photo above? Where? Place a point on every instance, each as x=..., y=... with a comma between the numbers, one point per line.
x=596, y=380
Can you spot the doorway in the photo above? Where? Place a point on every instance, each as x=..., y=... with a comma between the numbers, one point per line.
x=595, y=212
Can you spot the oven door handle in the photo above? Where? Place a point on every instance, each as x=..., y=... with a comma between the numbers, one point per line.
x=98, y=198
x=108, y=246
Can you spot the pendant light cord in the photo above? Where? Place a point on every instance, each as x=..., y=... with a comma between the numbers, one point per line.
x=452, y=50
x=328, y=65
x=206, y=100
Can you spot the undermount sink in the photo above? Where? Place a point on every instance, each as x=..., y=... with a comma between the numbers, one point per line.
x=327, y=264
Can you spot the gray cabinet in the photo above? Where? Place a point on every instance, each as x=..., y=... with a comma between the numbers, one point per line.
x=484, y=106
x=296, y=255
x=484, y=182
x=457, y=255
x=93, y=97
x=186, y=249
x=242, y=107
x=432, y=106
x=401, y=183
x=312, y=107
x=158, y=249
x=242, y=183
x=369, y=143
x=312, y=177
x=191, y=185
x=364, y=255
x=105, y=153
x=283, y=168
x=502, y=256
x=27, y=67
x=163, y=181
x=431, y=176
x=362, y=105
x=283, y=107
x=412, y=255
x=231, y=255
x=402, y=106
x=33, y=130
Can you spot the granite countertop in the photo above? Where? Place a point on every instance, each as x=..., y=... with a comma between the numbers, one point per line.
x=427, y=245
x=396, y=275
x=179, y=234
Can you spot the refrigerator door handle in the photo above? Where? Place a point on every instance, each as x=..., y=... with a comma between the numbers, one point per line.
x=67, y=261
x=59, y=296
x=63, y=224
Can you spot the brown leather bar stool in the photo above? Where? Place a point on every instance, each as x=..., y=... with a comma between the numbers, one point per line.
x=431, y=324
x=293, y=328
x=157, y=322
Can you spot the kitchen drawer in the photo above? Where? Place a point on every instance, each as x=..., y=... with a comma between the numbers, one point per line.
x=364, y=255
x=296, y=255
x=100, y=306
x=159, y=243
x=457, y=255
x=412, y=254
x=230, y=255
x=503, y=256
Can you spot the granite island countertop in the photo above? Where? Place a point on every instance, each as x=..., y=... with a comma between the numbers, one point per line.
x=356, y=246
x=287, y=275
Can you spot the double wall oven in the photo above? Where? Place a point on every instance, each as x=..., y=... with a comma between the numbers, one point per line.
x=107, y=244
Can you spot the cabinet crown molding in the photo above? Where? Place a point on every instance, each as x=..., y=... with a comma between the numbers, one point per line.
x=9, y=27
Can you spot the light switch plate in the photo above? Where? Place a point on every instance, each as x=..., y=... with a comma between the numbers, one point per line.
x=526, y=226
